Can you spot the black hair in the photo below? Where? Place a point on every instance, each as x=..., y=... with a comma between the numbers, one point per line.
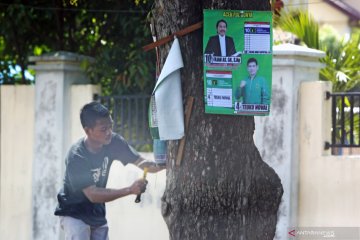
x=91, y=112
x=252, y=60
x=221, y=20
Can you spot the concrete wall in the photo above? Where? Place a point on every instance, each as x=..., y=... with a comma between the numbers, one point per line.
x=16, y=175
x=320, y=189
x=328, y=185
x=17, y=121
x=80, y=95
x=276, y=136
x=137, y=221
x=55, y=74
x=16, y=152
x=61, y=91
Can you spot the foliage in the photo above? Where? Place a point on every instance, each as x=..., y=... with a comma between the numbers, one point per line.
x=342, y=63
x=342, y=69
x=341, y=66
x=342, y=56
x=112, y=32
x=302, y=24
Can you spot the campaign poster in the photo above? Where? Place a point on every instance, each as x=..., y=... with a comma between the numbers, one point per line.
x=237, y=47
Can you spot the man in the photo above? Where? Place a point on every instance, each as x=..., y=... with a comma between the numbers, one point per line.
x=220, y=45
x=81, y=201
x=253, y=89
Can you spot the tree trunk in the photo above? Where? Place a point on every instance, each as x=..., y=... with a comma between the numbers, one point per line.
x=222, y=190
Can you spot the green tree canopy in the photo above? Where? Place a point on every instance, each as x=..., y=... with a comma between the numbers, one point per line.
x=112, y=32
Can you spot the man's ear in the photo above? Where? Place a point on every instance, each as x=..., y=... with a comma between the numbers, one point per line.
x=87, y=130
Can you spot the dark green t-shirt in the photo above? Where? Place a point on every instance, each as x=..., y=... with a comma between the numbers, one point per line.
x=84, y=169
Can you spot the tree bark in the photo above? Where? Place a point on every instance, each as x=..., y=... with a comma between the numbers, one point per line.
x=222, y=190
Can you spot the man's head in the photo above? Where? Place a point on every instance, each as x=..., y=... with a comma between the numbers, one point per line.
x=221, y=27
x=97, y=123
x=252, y=67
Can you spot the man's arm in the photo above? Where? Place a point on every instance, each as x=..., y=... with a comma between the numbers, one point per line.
x=239, y=92
x=210, y=48
x=230, y=46
x=102, y=195
x=151, y=165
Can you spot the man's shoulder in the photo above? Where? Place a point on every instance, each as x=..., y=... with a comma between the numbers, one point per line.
x=117, y=139
x=117, y=142
x=260, y=78
x=215, y=37
x=77, y=150
x=228, y=38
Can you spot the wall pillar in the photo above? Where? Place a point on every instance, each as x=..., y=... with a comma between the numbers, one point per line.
x=55, y=74
x=277, y=135
x=319, y=172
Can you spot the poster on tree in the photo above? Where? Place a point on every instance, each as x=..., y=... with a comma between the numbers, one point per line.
x=237, y=47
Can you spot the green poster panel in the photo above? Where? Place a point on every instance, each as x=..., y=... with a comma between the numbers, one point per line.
x=237, y=47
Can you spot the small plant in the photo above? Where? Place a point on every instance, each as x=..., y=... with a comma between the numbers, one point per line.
x=302, y=24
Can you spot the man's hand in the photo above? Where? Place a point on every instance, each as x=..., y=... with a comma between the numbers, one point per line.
x=151, y=165
x=138, y=187
x=242, y=84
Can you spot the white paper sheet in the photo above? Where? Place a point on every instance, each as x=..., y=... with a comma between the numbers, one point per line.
x=168, y=96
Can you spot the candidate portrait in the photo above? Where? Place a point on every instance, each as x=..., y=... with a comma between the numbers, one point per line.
x=220, y=44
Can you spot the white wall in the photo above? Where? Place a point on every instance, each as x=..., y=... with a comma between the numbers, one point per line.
x=55, y=74
x=276, y=135
x=319, y=188
x=80, y=95
x=137, y=221
x=328, y=185
x=16, y=152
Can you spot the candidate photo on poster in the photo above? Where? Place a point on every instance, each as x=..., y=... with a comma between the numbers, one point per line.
x=253, y=89
x=220, y=44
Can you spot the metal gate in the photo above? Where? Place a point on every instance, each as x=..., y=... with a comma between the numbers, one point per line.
x=345, y=120
x=130, y=116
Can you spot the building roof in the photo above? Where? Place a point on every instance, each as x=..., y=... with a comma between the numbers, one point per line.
x=344, y=7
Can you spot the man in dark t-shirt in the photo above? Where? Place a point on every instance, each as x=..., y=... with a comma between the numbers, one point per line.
x=81, y=201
